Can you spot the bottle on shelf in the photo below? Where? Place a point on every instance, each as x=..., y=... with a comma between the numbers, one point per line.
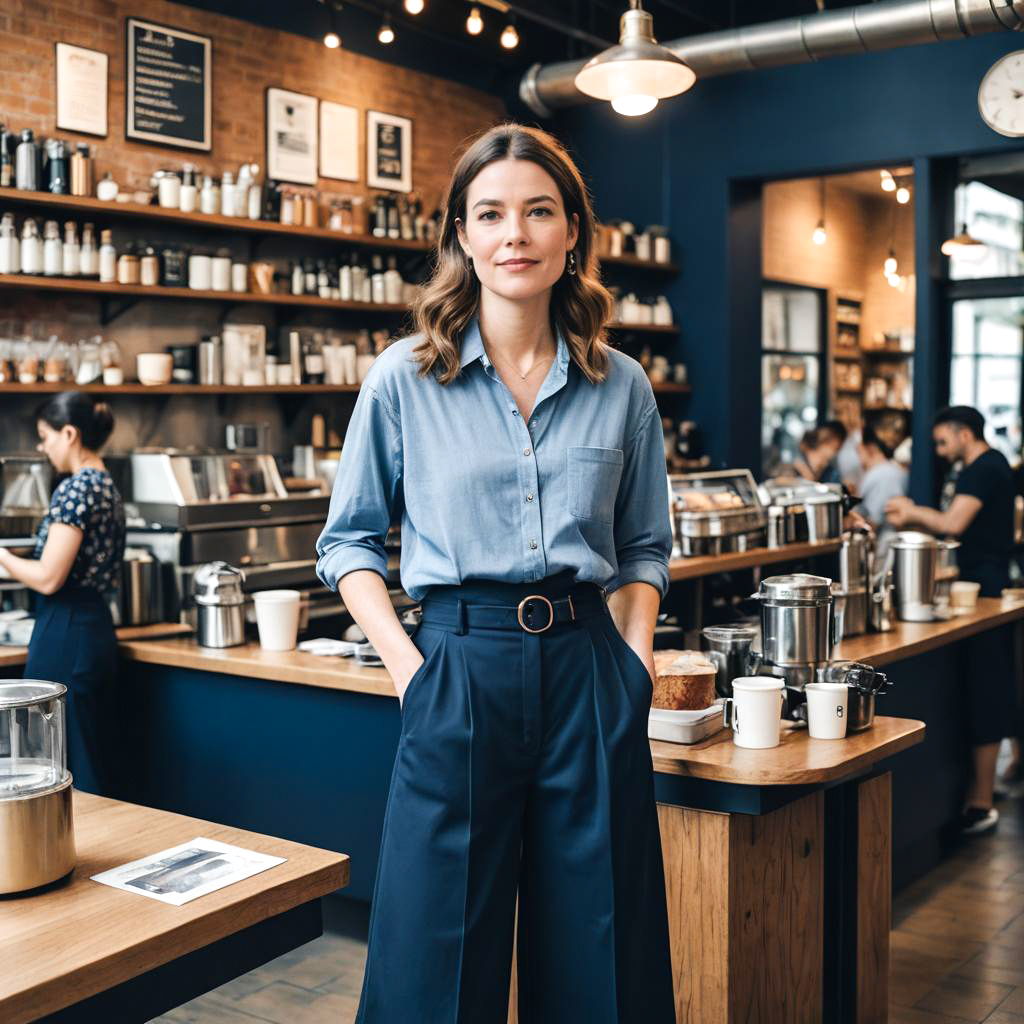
x=227, y=195
x=209, y=196
x=313, y=358
x=10, y=248
x=107, y=258
x=26, y=163
x=323, y=281
x=380, y=216
x=88, y=256
x=298, y=278
x=188, y=194
x=6, y=158
x=81, y=170
x=394, y=218
x=309, y=277
x=378, y=287
x=53, y=261
x=71, y=253
x=31, y=247
x=345, y=282
x=405, y=219
x=393, y=282
x=58, y=167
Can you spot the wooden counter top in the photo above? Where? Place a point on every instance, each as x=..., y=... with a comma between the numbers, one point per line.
x=907, y=639
x=11, y=656
x=708, y=565
x=66, y=944
x=798, y=760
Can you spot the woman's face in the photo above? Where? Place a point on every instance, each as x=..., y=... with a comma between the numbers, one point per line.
x=56, y=445
x=516, y=229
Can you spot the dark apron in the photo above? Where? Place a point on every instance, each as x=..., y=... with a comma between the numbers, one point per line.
x=523, y=768
x=73, y=643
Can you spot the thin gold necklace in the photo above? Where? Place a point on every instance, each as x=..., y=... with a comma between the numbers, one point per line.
x=515, y=369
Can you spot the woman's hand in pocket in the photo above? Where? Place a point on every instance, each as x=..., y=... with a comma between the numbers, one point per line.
x=403, y=675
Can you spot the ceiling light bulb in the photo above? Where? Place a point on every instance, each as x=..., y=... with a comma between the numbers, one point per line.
x=819, y=237
x=888, y=182
x=414, y=6
x=474, y=23
x=510, y=37
x=890, y=263
x=386, y=33
x=634, y=106
x=893, y=279
x=638, y=66
x=903, y=195
x=332, y=40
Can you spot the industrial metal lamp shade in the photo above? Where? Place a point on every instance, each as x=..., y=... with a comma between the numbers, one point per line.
x=638, y=72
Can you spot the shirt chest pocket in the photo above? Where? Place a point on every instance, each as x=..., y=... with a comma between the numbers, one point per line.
x=593, y=476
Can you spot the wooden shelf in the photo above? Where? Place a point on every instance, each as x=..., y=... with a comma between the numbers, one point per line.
x=881, y=353
x=887, y=408
x=645, y=328
x=135, y=388
x=209, y=221
x=846, y=357
x=81, y=286
x=633, y=263
x=708, y=565
x=849, y=391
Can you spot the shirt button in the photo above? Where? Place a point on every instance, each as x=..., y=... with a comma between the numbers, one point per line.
x=515, y=412
x=533, y=544
x=529, y=497
x=526, y=451
x=533, y=423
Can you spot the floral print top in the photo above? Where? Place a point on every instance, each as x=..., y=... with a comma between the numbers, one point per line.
x=89, y=500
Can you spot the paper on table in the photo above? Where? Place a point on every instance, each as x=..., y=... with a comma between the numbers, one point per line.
x=185, y=872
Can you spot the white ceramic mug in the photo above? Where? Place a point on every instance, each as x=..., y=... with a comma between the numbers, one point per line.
x=277, y=618
x=827, y=707
x=154, y=368
x=754, y=711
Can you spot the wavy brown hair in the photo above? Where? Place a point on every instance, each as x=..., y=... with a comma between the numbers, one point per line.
x=580, y=304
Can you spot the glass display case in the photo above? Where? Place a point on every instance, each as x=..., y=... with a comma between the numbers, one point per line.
x=36, y=834
x=716, y=511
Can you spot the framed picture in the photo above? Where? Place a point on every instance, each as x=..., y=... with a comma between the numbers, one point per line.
x=388, y=151
x=339, y=141
x=169, y=86
x=291, y=136
x=81, y=89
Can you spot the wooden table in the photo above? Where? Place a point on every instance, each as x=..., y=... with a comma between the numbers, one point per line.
x=84, y=952
x=12, y=657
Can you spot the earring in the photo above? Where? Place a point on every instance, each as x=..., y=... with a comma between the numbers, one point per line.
x=469, y=262
x=571, y=268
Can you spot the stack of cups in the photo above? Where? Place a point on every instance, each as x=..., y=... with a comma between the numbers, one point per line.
x=277, y=618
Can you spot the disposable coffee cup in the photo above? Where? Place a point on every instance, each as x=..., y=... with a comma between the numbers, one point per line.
x=827, y=707
x=964, y=594
x=277, y=618
x=754, y=711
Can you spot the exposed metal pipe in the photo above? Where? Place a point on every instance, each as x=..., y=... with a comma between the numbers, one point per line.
x=812, y=37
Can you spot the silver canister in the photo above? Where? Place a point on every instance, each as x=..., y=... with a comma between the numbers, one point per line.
x=824, y=516
x=915, y=559
x=220, y=605
x=141, y=596
x=26, y=162
x=210, y=360
x=796, y=625
x=730, y=649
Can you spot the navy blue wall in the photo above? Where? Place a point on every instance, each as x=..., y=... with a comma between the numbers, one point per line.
x=695, y=162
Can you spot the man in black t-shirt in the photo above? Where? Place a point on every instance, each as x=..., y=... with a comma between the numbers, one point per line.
x=981, y=517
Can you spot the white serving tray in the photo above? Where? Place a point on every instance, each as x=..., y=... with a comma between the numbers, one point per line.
x=684, y=726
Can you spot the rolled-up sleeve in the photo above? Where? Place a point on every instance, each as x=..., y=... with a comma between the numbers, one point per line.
x=643, y=532
x=366, y=490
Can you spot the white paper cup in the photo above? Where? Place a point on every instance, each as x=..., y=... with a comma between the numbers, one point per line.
x=963, y=594
x=154, y=368
x=827, y=705
x=277, y=618
x=754, y=711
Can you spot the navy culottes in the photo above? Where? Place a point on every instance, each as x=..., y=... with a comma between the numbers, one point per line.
x=523, y=767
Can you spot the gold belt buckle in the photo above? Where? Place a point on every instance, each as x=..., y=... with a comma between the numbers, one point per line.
x=551, y=613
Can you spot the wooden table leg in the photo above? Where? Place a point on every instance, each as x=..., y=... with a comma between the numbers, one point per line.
x=745, y=897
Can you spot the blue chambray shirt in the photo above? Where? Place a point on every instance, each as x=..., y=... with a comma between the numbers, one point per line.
x=483, y=494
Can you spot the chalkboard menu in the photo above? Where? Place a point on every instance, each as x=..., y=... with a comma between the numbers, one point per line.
x=169, y=86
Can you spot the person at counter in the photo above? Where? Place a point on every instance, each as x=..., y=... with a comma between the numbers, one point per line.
x=75, y=568
x=980, y=515
x=881, y=481
x=527, y=458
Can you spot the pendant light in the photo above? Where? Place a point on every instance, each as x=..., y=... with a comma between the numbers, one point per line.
x=386, y=34
x=819, y=235
x=964, y=246
x=509, y=35
x=888, y=181
x=475, y=21
x=414, y=6
x=331, y=38
x=638, y=72
x=890, y=266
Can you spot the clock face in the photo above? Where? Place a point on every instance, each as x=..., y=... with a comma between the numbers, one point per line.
x=1001, y=95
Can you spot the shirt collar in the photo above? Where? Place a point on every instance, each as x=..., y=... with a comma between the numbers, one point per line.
x=472, y=348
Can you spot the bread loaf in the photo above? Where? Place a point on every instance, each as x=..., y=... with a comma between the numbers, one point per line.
x=684, y=681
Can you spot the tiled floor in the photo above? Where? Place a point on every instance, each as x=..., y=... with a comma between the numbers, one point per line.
x=957, y=951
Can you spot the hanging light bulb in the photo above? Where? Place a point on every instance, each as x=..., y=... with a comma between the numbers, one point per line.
x=819, y=236
x=903, y=195
x=475, y=22
x=964, y=246
x=890, y=264
x=894, y=280
x=332, y=40
x=638, y=72
x=509, y=36
x=888, y=182
x=414, y=6
x=386, y=34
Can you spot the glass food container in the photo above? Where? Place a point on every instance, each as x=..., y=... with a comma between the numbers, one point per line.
x=37, y=841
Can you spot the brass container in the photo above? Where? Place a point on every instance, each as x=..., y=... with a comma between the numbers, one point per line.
x=37, y=838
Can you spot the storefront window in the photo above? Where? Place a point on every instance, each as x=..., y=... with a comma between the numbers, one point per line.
x=995, y=219
x=986, y=367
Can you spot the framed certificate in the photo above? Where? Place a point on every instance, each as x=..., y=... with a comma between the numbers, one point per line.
x=339, y=141
x=81, y=89
x=388, y=151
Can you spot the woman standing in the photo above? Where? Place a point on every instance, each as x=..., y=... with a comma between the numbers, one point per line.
x=526, y=460
x=75, y=569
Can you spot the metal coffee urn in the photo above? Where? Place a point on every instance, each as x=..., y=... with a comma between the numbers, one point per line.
x=796, y=627
x=220, y=605
x=915, y=560
x=37, y=837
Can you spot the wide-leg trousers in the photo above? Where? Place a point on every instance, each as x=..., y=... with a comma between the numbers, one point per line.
x=523, y=768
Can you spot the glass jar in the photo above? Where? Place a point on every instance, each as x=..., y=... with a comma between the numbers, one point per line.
x=175, y=267
x=149, y=267
x=112, y=362
x=168, y=186
x=55, y=361
x=90, y=366
x=128, y=269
